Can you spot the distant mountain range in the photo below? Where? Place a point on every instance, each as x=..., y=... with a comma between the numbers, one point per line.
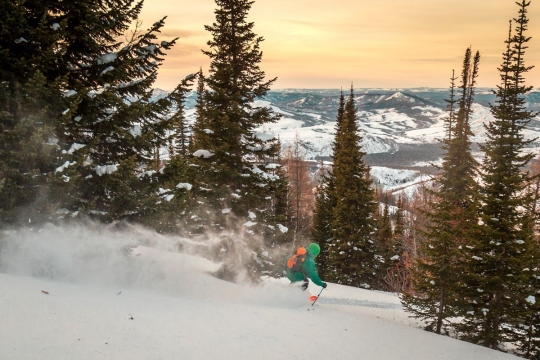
x=400, y=128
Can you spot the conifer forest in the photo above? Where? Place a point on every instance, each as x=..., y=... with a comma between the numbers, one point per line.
x=86, y=137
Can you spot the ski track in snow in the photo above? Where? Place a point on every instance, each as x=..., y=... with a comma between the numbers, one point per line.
x=353, y=302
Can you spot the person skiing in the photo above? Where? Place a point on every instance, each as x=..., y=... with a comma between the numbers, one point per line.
x=301, y=266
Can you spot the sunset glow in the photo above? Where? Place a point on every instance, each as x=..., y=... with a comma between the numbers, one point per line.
x=323, y=44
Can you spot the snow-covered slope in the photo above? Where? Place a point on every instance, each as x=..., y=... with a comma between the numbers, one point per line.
x=397, y=180
x=93, y=293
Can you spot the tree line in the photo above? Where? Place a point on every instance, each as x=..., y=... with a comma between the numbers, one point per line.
x=84, y=135
x=464, y=253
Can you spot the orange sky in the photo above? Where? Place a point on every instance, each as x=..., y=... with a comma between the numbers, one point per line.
x=373, y=43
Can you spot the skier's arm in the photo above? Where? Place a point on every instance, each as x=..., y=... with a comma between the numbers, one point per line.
x=311, y=272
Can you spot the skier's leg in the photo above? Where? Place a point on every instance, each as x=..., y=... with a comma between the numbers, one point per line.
x=296, y=277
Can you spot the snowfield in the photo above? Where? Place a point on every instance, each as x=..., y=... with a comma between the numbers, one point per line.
x=396, y=180
x=90, y=292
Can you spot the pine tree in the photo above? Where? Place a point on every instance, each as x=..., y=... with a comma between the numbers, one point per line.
x=175, y=197
x=232, y=167
x=280, y=211
x=385, y=239
x=352, y=252
x=235, y=156
x=200, y=135
x=321, y=231
x=384, y=233
x=114, y=136
x=30, y=104
x=178, y=139
x=325, y=202
x=499, y=256
x=95, y=95
x=28, y=149
x=396, y=274
x=436, y=276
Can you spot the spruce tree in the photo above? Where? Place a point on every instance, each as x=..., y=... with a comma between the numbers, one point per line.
x=232, y=166
x=452, y=217
x=352, y=251
x=98, y=102
x=114, y=136
x=172, y=180
x=280, y=212
x=325, y=201
x=498, y=287
x=321, y=231
x=389, y=240
x=179, y=135
x=200, y=132
x=30, y=103
x=384, y=234
x=395, y=255
x=234, y=156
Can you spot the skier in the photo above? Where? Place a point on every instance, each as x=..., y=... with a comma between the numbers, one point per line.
x=301, y=266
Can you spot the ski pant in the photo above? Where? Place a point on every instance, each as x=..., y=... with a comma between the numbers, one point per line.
x=295, y=276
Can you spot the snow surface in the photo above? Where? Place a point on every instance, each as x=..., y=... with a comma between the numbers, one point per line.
x=398, y=180
x=92, y=292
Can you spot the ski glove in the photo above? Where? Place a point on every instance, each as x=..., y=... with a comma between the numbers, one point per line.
x=324, y=285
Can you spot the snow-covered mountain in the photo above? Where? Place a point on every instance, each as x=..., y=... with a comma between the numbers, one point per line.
x=401, y=127
x=89, y=293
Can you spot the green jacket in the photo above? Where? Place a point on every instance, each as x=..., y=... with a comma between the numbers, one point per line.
x=309, y=269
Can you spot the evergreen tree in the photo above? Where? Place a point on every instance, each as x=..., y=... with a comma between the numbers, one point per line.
x=498, y=287
x=175, y=197
x=452, y=218
x=325, y=202
x=397, y=273
x=30, y=104
x=95, y=95
x=352, y=252
x=115, y=134
x=321, y=231
x=232, y=161
x=232, y=168
x=179, y=135
x=384, y=233
x=200, y=133
x=399, y=228
x=28, y=149
x=280, y=211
